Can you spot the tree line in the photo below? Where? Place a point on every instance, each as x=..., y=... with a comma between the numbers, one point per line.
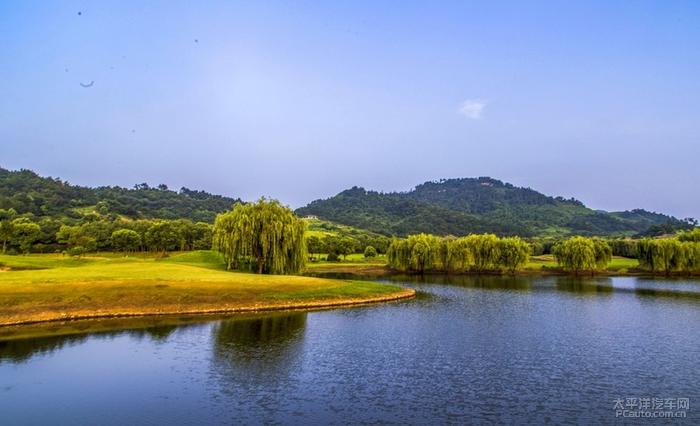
x=28, y=193
x=25, y=234
x=668, y=255
x=338, y=245
x=477, y=252
x=488, y=253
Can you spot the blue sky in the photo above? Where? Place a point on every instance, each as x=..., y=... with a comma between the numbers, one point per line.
x=299, y=100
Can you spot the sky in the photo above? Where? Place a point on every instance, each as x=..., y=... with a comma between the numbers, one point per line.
x=299, y=100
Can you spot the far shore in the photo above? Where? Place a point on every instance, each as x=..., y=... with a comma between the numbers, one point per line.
x=365, y=270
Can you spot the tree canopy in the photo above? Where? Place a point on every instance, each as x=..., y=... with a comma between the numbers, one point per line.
x=476, y=252
x=581, y=254
x=264, y=236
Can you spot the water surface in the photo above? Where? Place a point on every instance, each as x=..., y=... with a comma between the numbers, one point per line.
x=489, y=349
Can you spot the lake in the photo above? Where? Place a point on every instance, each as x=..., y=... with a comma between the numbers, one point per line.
x=467, y=349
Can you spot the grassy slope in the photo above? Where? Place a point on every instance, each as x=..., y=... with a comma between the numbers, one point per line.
x=190, y=282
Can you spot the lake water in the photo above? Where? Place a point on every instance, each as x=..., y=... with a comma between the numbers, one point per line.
x=466, y=350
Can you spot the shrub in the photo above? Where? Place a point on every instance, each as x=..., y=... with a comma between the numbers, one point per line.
x=370, y=252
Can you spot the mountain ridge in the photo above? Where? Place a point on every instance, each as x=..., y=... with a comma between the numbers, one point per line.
x=454, y=206
x=471, y=205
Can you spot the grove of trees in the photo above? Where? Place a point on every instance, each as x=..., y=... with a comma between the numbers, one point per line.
x=668, y=255
x=343, y=245
x=25, y=233
x=477, y=252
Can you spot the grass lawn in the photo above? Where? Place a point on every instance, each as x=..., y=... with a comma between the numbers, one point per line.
x=617, y=264
x=51, y=287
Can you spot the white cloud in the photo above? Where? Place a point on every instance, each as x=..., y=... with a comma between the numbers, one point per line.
x=472, y=108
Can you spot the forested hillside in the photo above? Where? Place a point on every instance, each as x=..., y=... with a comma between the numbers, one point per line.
x=26, y=192
x=47, y=214
x=475, y=205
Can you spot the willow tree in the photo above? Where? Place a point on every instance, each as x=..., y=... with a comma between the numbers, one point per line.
x=484, y=250
x=692, y=250
x=665, y=254
x=514, y=253
x=603, y=253
x=264, y=236
x=579, y=254
x=461, y=256
x=417, y=253
x=425, y=251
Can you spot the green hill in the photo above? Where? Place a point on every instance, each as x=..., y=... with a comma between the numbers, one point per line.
x=27, y=192
x=448, y=206
x=473, y=205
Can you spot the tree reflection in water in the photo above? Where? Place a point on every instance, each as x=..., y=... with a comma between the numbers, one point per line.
x=597, y=285
x=19, y=350
x=271, y=334
x=261, y=350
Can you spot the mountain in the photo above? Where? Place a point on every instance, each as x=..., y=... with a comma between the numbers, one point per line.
x=448, y=206
x=475, y=205
x=27, y=192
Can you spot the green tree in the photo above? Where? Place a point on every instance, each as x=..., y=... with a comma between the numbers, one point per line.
x=314, y=244
x=25, y=233
x=417, y=253
x=188, y=232
x=662, y=255
x=346, y=246
x=514, y=253
x=100, y=231
x=162, y=236
x=332, y=257
x=690, y=235
x=266, y=235
x=692, y=255
x=484, y=250
x=126, y=240
x=460, y=257
x=380, y=243
x=6, y=226
x=370, y=252
x=577, y=254
x=331, y=244
x=603, y=253
x=202, y=236
x=77, y=239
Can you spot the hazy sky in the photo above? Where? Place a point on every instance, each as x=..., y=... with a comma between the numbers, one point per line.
x=299, y=100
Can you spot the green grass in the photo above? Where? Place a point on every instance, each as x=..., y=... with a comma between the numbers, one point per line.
x=60, y=287
x=318, y=233
x=202, y=258
x=617, y=264
x=353, y=261
x=47, y=261
x=621, y=264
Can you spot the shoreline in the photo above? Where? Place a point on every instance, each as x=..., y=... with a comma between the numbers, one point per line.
x=378, y=272
x=77, y=315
